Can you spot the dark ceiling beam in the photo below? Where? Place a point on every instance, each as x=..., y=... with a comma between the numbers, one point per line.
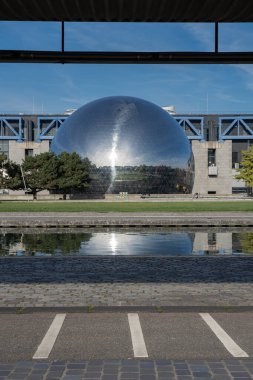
x=127, y=10
x=16, y=56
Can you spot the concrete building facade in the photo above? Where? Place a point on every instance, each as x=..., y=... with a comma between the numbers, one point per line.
x=216, y=176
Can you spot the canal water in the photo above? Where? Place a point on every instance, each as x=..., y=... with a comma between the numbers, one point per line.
x=126, y=242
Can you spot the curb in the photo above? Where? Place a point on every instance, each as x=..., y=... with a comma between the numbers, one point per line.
x=128, y=309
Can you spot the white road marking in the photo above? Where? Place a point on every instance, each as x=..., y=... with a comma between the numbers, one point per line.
x=225, y=339
x=49, y=339
x=139, y=346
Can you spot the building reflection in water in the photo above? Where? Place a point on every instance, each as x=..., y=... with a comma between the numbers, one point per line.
x=212, y=243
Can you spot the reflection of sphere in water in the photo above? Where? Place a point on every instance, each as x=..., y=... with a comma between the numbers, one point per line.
x=134, y=146
x=138, y=244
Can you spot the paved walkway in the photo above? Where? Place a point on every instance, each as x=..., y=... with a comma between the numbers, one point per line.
x=126, y=281
x=130, y=370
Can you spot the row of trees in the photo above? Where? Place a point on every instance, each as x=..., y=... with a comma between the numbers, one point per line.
x=46, y=171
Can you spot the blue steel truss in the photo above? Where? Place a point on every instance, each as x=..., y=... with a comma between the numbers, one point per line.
x=47, y=127
x=193, y=126
x=236, y=128
x=11, y=128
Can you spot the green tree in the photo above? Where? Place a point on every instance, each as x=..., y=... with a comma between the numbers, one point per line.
x=245, y=172
x=46, y=171
x=41, y=172
x=2, y=170
x=2, y=159
x=10, y=174
x=13, y=178
x=74, y=173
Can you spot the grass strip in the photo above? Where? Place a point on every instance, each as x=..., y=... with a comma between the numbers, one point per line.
x=68, y=206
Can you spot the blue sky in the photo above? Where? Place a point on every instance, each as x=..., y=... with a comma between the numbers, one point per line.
x=45, y=88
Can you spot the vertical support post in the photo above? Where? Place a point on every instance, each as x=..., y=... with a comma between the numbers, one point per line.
x=220, y=124
x=20, y=130
x=38, y=130
x=62, y=37
x=216, y=37
x=202, y=129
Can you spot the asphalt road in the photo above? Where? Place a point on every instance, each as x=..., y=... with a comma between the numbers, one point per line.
x=101, y=336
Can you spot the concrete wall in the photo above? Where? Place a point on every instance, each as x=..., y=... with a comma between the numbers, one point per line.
x=17, y=154
x=17, y=149
x=222, y=183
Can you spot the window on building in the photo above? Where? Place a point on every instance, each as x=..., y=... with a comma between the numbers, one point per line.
x=235, y=160
x=212, y=238
x=237, y=147
x=211, y=192
x=28, y=152
x=211, y=157
x=238, y=190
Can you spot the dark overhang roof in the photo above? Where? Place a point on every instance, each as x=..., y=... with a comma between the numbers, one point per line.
x=128, y=10
x=10, y=56
x=215, y=11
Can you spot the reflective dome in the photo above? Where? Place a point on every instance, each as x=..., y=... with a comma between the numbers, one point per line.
x=134, y=146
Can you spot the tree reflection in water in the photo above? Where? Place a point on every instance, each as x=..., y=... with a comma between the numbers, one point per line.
x=43, y=243
x=246, y=242
x=8, y=240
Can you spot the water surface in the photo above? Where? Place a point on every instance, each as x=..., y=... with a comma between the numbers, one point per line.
x=133, y=242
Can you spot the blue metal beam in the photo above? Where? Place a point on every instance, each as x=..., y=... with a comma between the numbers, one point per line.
x=6, y=123
x=246, y=127
x=190, y=123
x=227, y=124
x=52, y=122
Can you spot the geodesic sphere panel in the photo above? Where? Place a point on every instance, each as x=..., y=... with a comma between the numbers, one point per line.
x=134, y=146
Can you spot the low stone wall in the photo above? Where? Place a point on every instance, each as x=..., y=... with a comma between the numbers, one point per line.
x=119, y=197
x=86, y=219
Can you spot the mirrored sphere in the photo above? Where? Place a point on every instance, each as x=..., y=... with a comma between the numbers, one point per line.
x=134, y=146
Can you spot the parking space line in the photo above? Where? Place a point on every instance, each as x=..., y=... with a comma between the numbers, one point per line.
x=49, y=339
x=225, y=339
x=139, y=346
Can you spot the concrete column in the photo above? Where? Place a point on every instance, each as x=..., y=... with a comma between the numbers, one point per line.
x=220, y=184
